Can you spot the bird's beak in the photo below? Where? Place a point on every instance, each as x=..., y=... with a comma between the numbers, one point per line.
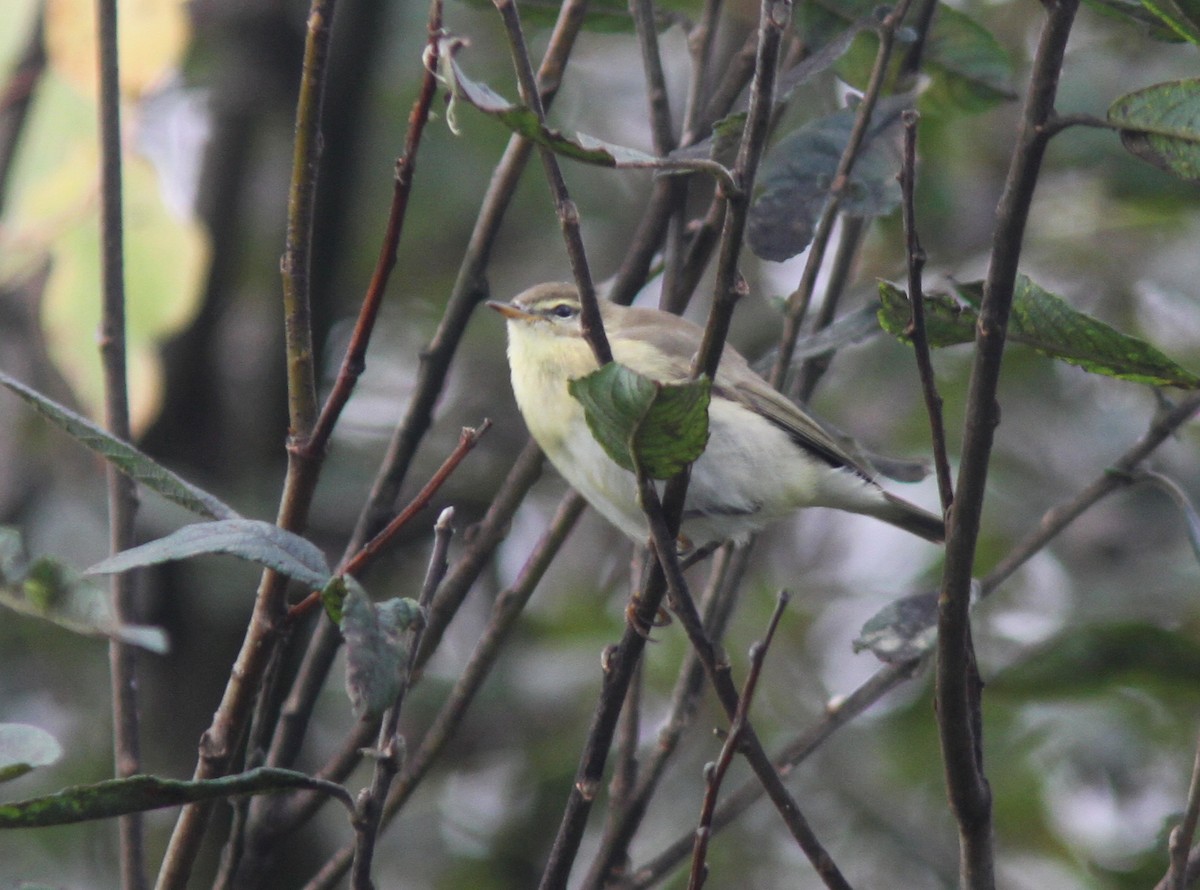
x=508, y=310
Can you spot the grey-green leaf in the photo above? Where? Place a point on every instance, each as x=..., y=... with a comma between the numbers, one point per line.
x=24, y=748
x=250, y=539
x=376, y=654
x=1161, y=125
x=640, y=422
x=1045, y=322
x=117, y=797
x=53, y=592
x=124, y=456
x=902, y=630
x=798, y=174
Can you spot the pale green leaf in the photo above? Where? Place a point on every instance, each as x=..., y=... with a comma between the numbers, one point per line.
x=250, y=539
x=643, y=423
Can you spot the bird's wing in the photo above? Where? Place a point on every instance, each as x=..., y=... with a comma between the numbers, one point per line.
x=736, y=381
x=806, y=432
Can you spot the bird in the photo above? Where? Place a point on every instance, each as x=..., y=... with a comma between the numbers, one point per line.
x=765, y=457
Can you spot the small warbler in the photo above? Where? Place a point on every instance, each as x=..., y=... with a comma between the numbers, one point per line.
x=765, y=457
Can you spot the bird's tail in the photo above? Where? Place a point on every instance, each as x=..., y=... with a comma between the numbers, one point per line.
x=911, y=518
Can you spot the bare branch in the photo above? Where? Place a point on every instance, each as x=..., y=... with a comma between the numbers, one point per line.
x=715, y=773
x=957, y=681
x=916, y=299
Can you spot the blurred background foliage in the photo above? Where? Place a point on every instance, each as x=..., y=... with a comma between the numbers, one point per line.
x=1091, y=651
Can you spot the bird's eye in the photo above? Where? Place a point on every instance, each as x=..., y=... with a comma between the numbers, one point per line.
x=563, y=310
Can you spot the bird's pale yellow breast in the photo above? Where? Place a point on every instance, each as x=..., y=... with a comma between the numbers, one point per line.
x=542, y=363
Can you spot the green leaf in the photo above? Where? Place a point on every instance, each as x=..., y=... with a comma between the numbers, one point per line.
x=1133, y=10
x=376, y=654
x=1045, y=322
x=24, y=748
x=117, y=797
x=250, y=539
x=56, y=593
x=947, y=321
x=970, y=70
x=1181, y=16
x=333, y=595
x=797, y=174
x=124, y=456
x=1161, y=125
x=639, y=422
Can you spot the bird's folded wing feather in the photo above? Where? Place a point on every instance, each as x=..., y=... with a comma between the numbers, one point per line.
x=738, y=382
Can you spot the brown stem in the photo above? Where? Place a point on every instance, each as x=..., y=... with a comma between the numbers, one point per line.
x=715, y=773
x=219, y=741
x=354, y=362
x=122, y=496
x=800, y=299
x=916, y=300
x=957, y=681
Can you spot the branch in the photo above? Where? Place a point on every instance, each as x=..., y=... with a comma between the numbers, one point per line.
x=717, y=604
x=506, y=608
x=916, y=299
x=388, y=750
x=774, y=17
x=1052, y=523
x=122, y=495
x=716, y=666
x=715, y=773
x=568, y=213
x=957, y=681
x=219, y=741
x=800, y=299
x=354, y=361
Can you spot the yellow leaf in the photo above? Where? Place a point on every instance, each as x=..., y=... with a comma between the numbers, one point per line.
x=152, y=35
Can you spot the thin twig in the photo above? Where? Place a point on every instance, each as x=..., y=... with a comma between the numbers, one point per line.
x=813, y=368
x=800, y=299
x=715, y=773
x=916, y=300
x=505, y=610
x=958, y=686
x=219, y=741
x=468, y=438
x=716, y=666
x=122, y=496
x=568, y=212
x=1052, y=523
x=354, y=361
x=369, y=807
x=1183, y=833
